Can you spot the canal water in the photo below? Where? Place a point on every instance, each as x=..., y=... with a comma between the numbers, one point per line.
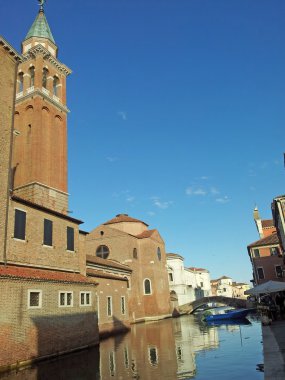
x=180, y=348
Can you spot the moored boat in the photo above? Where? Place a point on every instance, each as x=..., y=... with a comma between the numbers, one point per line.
x=228, y=314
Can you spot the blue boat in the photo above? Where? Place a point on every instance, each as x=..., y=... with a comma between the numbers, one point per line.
x=228, y=314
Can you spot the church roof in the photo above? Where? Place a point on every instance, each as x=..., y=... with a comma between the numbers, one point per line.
x=40, y=28
x=123, y=218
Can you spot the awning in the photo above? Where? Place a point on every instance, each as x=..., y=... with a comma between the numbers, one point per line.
x=267, y=287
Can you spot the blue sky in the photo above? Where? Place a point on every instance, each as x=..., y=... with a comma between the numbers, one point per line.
x=177, y=116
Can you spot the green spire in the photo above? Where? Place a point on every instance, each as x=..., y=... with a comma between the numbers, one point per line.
x=40, y=27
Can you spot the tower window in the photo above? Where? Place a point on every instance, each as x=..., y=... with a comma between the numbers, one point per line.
x=260, y=273
x=45, y=75
x=147, y=286
x=20, y=225
x=135, y=253
x=55, y=84
x=32, y=76
x=102, y=251
x=21, y=81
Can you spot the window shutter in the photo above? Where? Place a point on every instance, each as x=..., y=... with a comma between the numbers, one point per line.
x=47, y=232
x=20, y=225
x=70, y=239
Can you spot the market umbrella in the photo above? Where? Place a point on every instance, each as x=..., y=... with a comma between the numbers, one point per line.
x=267, y=287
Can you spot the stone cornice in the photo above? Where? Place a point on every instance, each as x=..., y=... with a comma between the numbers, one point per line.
x=40, y=50
x=38, y=92
x=17, y=57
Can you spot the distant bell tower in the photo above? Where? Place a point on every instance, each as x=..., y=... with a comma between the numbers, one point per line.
x=40, y=145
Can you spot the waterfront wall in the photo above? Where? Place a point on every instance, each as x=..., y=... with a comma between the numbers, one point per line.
x=31, y=333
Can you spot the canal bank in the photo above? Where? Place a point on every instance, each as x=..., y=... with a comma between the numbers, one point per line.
x=274, y=350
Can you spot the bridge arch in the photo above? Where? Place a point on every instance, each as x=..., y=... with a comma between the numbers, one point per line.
x=189, y=308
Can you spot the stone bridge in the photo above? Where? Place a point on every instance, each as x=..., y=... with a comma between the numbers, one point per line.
x=192, y=306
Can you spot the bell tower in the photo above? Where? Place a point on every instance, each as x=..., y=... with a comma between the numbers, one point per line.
x=40, y=145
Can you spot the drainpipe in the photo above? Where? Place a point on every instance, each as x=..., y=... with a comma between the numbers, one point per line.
x=9, y=184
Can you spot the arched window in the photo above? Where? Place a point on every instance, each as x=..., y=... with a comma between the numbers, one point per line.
x=32, y=76
x=135, y=253
x=21, y=82
x=102, y=251
x=45, y=75
x=158, y=253
x=55, y=84
x=147, y=286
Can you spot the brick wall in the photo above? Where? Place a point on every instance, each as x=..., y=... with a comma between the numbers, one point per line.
x=8, y=65
x=146, y=266
x=32, y=251
x=30, y=333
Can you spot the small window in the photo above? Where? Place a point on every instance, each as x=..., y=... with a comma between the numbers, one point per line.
x=20, y=225
x=256, y=253
x=278, y=270
x=201, y=284
x=147, y=286
x=65, y=299
x=70, y=238
x=260, y=273
x=112, y=364
x=274, y=251
x=47, y=232
x=170, y=275
x=85, y=298
x=34, y=299
x=152, y=356
x=109, y=306
x=123, y=305
x=135, y=253
x=102, y=251
x=158, y=254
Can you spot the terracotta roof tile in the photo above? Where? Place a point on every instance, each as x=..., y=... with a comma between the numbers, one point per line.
x=123, y=218
x=145, y=234
x=34, y=274
x=267, y=223
x=107, y=263
x=268, y=240
x=101, y=274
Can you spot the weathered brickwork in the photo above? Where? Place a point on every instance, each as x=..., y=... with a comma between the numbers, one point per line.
x=44, y=196
x=8, y=64
x=31, y=251
x=118, y=320
x=27, y=333
x=147, y=266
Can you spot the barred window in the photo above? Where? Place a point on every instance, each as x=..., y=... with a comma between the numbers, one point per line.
x=109, y=306
x=65, y=299
x=85, y=298
x=123, y=305
x=102, y=251
x=34, y=299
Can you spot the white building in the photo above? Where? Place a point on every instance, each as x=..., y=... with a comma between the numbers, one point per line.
x=222, y=286
x=186, y=284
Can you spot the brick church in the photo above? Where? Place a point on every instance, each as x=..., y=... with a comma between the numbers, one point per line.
x=60, y=288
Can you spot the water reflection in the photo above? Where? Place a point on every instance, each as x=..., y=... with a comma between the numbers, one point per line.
x=182, y=348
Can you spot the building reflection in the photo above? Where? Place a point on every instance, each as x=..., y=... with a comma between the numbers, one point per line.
x=159, y=350
x=163, y=350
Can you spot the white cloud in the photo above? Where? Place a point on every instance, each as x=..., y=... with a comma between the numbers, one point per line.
x=123, y=115
x=150, y=213
x=214, y=191
x=111, y=159
x=162, y=205
x=195, y=191
x=224, y=199
x=130, y=199
x=204, y=177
